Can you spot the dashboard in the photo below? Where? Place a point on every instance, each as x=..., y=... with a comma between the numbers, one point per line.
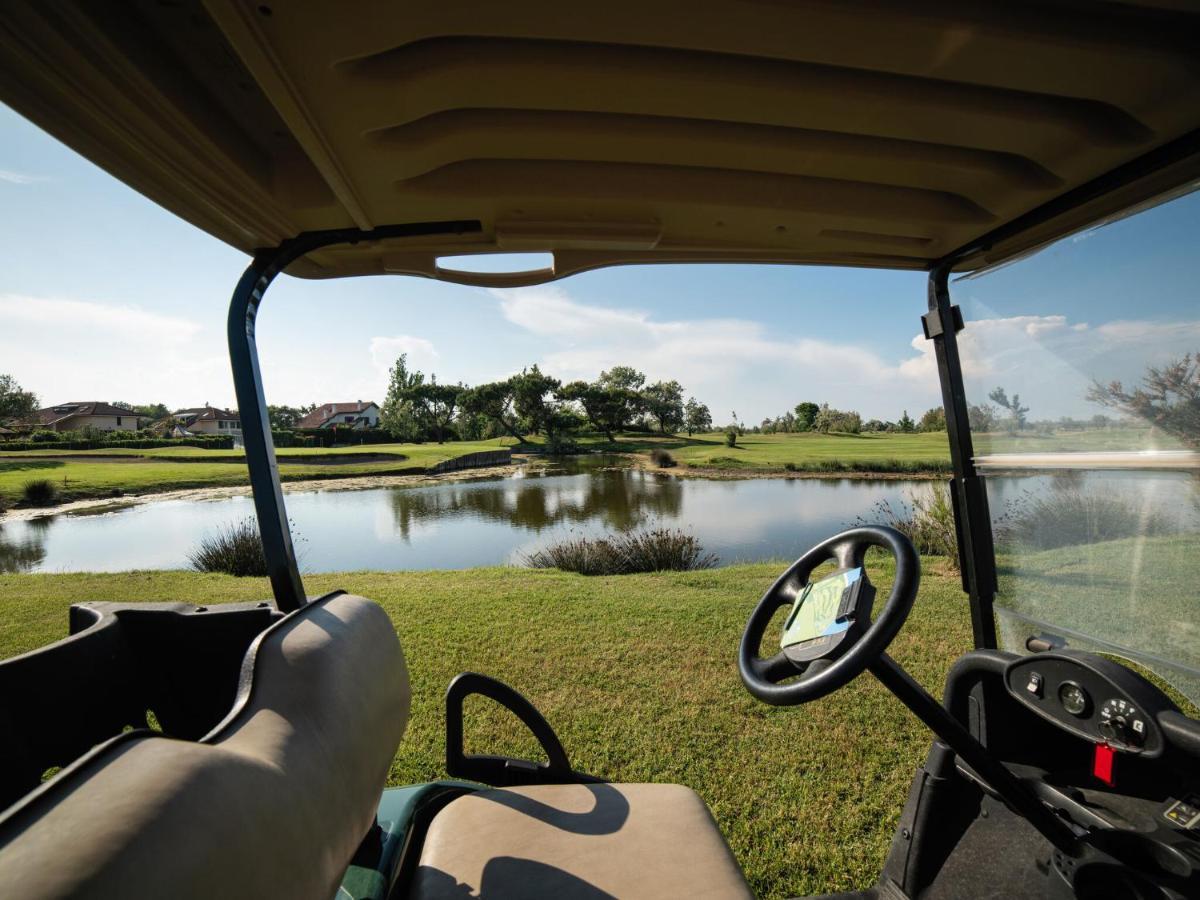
x=1092, y=698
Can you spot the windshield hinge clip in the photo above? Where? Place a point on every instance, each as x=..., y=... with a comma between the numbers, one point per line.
x=933, y=325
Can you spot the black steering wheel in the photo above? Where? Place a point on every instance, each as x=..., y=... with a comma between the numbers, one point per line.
x=827, y=663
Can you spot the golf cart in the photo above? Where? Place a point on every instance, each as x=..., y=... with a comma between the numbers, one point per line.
x=333, y=140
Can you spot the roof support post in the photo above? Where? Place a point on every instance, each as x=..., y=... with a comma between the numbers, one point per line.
x=968, y=493
x=282, y=568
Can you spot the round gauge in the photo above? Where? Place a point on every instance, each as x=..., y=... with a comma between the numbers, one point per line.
x=1073, y=698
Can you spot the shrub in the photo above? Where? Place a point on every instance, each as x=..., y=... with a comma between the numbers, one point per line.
x=790, y=467
x=559, y=444
x=45, y=437
x=926, y=518
x=236, y=550
x=1068, y=516
x=40, y=492
x=731, y=437
x=646, y=550
x=662, y=458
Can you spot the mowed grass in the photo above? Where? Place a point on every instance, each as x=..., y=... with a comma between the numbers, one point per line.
x=806, y=452
x=82, y=475
x=638, y=675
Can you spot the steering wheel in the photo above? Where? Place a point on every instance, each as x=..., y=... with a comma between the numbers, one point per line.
x=852, y=640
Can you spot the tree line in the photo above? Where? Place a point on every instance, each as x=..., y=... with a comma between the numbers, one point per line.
x=531, y=402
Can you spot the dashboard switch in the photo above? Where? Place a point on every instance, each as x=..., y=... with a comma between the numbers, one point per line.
x=1036, y=684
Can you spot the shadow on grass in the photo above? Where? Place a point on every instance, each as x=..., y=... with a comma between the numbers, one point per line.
x=28, y=464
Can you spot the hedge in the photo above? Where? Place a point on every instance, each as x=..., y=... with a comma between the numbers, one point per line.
x=215, y=442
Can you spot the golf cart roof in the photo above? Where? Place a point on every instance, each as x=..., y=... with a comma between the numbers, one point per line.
x=882, y=133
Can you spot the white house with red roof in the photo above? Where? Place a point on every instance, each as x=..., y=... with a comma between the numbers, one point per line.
x=87, y=414
x=358, y=415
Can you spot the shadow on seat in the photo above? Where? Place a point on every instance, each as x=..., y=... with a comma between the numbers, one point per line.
x=607, y=815
x=512, y=878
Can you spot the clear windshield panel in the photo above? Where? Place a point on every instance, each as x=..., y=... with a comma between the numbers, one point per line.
x=1082, y=368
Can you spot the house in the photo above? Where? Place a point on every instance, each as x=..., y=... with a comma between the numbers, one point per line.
x=87, y=414
x=209, y=420
x=344, y=415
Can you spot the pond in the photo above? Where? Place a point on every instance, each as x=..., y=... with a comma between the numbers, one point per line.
x=461, y=524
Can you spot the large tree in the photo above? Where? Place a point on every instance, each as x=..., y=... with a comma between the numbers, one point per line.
x=696, y=416
x=806, y=414
x=664, y=401
x=494, y=401
x=1169, y=398
x=399, y=415
x=16, y=405
x=535, y=400
x=605, y=408
x=434, y=406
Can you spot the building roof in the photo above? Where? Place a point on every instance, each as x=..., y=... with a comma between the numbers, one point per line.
x=206, y=414
x=52, y=414
x=327, y=411
x=882, y=133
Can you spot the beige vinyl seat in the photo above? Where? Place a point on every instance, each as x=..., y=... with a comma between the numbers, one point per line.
x=272, y=803
x=580, y=841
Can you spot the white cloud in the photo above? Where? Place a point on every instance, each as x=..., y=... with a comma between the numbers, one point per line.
x=66, y=349
x=12, y=177
x=59, y=315
x=384, y=351
x=728, y=363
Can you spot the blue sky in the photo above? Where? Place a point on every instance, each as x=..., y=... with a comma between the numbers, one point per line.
x=104, y=296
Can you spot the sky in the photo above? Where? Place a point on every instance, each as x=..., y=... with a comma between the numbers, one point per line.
x=105, y=296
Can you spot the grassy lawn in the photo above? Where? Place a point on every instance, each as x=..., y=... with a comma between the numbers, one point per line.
x=808, y=451
x=638, y=675
x=145, y=471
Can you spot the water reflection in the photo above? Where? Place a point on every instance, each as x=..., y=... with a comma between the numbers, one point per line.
x=613, y=499
x=454, y=525
x=26, y=551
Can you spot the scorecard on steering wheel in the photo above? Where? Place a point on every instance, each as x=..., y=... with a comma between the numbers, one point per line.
x=827, y=616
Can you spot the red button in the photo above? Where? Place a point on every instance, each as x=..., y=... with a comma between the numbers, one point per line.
x=1102, y=763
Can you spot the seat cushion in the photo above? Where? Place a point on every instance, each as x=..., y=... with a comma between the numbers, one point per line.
x=577, y=841
x=273, y=803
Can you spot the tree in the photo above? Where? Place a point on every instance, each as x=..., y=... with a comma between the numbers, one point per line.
x=1014, y=407
x=696, y=416
x=806, y=414
x=664, y=401
x=905, y=423
x=495, y=401
x=1169, y=398
x=398, y=415
x=933, y=420
x=152, y=411
x=607, y=409
x=982, y=417
x=15, y=404
x=435, y=404
x=535, y=401
x=285, y=418
x=622, y=378
x=829, y=419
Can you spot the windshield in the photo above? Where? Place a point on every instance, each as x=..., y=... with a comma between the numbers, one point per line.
x=1081, y=366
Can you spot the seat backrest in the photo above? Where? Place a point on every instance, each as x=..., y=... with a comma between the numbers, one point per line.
x=272, y=803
